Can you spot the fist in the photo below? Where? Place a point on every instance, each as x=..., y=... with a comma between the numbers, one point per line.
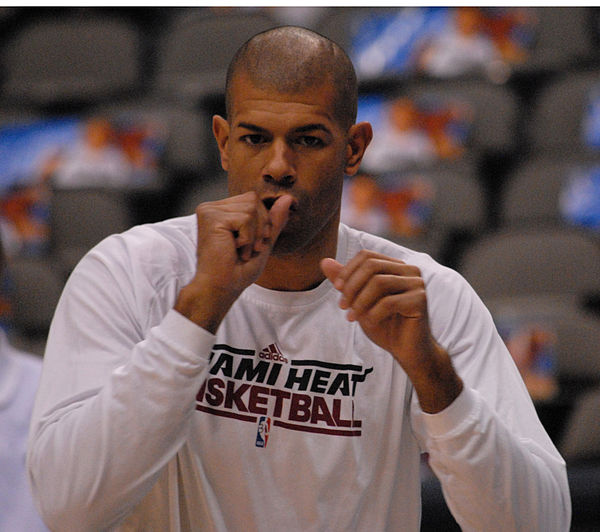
x=235, y=238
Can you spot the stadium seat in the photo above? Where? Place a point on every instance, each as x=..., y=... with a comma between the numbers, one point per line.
x=458, y=208
x=564, y=39
x=80, y=218
x=188, y=142
x=581, y=440
x=533, y=261
x=36, y=285
x=495, y=108
x=532, y=192
x=576, y=332
x=194, y=51
x=559, y=111
x=80, y=58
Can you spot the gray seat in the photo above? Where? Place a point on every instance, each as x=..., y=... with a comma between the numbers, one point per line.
x=36, y=288
x=564, y=39
x=533, y=261
x=581, y=439
x=458, y=207
x=558, y=112
x=576, y=332
x=188, y=143
x=80, y=58
x=495, y=109
x=531, y=196
x=80, y=218
x=194, y=52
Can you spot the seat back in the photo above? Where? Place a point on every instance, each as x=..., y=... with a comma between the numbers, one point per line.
x=75, y=59
x=533, y=261
x=194, y=53
x=80, y=218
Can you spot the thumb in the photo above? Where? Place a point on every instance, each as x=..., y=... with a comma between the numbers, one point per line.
x=331, y=268
x=279, y=215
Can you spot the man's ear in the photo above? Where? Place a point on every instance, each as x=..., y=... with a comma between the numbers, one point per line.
x=220, y=128
x=359, y=137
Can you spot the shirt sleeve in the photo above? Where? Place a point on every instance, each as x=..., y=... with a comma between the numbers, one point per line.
x=498, y=468
x=115, y=398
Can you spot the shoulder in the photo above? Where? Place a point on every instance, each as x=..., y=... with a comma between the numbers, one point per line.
x=451, y=300
x=431, y=270
x=131, y=279
x=168, y=245
x=140, y=270
x=175, y=235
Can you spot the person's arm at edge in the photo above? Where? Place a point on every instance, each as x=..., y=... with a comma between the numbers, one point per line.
x=86, y=473
x=498, y=468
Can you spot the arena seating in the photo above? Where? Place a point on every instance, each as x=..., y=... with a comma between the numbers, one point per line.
x=498, y=213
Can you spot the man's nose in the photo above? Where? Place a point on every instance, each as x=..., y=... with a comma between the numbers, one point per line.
x=280, y=165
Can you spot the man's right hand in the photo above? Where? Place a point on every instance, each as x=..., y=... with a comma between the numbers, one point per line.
x=235, y=238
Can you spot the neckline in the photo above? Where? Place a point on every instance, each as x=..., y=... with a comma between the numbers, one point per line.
x=294, y=299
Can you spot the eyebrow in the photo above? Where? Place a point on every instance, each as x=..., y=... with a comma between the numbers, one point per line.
x=312, y=127
x=302, y=129
x=251, y=127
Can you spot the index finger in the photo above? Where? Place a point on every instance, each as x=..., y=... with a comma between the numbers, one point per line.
x=367, y=266
x=279, y=215
x=357, y=262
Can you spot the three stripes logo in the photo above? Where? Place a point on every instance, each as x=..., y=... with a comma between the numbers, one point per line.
x=272, y=352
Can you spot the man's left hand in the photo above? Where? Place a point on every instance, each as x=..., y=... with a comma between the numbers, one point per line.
x=387, y=297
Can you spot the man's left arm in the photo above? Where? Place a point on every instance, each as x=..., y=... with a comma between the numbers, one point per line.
x=472, y=413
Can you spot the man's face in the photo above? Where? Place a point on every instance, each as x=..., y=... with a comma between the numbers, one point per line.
x=278, y=143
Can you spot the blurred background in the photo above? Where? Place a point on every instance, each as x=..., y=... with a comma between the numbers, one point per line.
x=486, y=155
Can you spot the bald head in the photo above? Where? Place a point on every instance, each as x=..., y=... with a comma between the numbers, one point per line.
x=291, y=60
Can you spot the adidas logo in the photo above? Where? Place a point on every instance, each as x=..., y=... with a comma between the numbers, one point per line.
x=272, y=352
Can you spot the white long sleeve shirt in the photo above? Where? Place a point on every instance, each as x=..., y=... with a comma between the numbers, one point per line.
x=19, y=375
x=288, y=419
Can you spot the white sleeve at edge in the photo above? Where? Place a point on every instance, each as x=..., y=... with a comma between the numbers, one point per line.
x=95, y=454
x=493, y=480
x=498, y=468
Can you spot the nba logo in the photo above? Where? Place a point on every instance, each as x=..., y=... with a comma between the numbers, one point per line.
x=262, y=434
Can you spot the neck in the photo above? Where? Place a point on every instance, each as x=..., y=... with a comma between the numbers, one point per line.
x=300, y=270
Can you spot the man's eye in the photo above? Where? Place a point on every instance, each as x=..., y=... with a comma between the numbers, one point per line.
x=254, y=139
x=309, y=141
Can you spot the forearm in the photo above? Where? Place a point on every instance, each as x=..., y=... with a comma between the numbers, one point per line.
x=492, y=478
x=434, y=380
x=498, y=467
x=93, y=457
x=204, y=304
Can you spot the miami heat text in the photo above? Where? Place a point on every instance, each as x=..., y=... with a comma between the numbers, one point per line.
x=307, y=395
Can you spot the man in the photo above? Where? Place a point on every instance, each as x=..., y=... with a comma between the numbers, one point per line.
x=262, y=367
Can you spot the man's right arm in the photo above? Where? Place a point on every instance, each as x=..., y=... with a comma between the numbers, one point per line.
x=114, y=403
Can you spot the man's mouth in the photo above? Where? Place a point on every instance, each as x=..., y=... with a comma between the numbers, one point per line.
x=269, y=201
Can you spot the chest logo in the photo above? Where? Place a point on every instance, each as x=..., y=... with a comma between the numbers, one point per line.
x=266, y=388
